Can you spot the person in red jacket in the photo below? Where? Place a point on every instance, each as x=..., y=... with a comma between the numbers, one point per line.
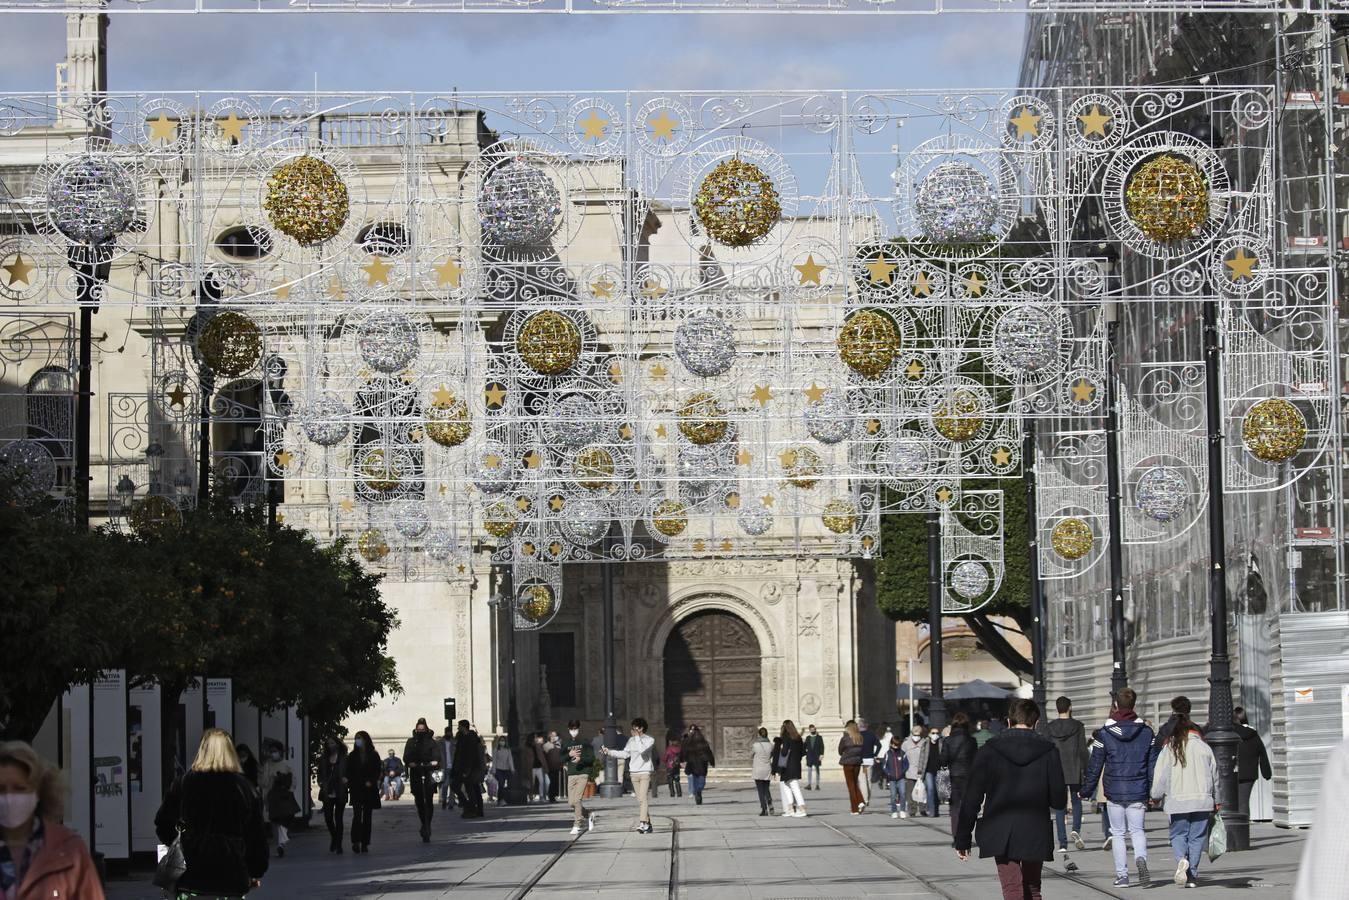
x=40, y=859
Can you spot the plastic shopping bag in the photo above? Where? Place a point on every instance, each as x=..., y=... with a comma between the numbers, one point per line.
x=1217, y=837
x=919, y=797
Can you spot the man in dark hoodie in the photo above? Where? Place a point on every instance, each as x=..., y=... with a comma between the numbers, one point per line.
x=1070, y=737
x=1252, y=760
x=422, y=755
x=1017, y=780
x=1128, y=757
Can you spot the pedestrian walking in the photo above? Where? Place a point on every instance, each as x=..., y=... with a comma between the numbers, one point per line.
x=957, y=756
x=640, y=752
x=503, y=767
x=1180, y=710
x=470, y=767
x=1252, y=761
x=539, y=759
x=982, y=735
x=915, y=748
x=332, y=784
x=394, y=770
x=1016, y=780
x=579, y=761
x=1070, y=737
x=421, y=756
x=249, y=763
x=1187, y=777
x=363, y=787
x=1324, y=870
x=697, y=757
x=673, y=746
x=217, y=817
x=850, y=758
x=871, y=748
x=556, y=776
x=761, y=769
x=788, y=752
x=1128, y=756
x=276, y=784
x=930, y=773
x=893, y=766
x=814, y=757
x=445, y=749
x=39, y=857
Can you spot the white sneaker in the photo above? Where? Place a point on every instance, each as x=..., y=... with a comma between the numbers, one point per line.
x=575, y=830
x=799, y=814
x=903, y=814
x=786, y=814
x=894, y=815
x=590, y=823
x=1182, y=872
x=1077, y=840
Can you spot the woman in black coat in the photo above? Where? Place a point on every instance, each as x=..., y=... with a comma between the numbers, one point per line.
x=696, y=755
x=1016, y=779
x=364, y=771
x=332, y=783
x=788, y=751
x=219, y=817
x=957, y=755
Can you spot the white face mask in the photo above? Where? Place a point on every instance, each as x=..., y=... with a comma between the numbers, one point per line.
x=573, y=732
x=17, y=809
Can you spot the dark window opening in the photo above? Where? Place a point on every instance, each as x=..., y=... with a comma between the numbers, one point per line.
x=557, y=651
x=383, y=238
x=245, y=242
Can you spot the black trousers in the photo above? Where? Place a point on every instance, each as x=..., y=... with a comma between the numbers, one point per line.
x=360, y=825
x=672, y=780
x=765, y=794
x=424, y=793
x=333, y=815
x=471, y=790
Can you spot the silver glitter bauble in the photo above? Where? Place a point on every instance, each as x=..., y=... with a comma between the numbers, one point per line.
x=388, y=341
x=829, y=420
x=32, y=463
x=440, y=545
x=327, y=420
x=91, y=200
x=906, y=458
x=411, y=519
x=494, y=471
x=1027, y=340
x=970, y=579
x=703, y=470
x=956, y=203
x=1162, y=494
x=584, y=521
x=705, y=345
x=519, y=206
x=574, y=422
x=755, y=519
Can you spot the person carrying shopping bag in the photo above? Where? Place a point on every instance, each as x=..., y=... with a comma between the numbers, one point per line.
x=1187, y=777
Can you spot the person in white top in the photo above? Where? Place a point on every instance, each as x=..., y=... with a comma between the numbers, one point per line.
x=640, y=752
x=1187, y=776
x=1324, y=872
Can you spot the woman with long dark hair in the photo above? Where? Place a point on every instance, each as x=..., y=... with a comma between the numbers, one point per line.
x=957, y=755
x=332, y=782
x=788, y=751
x=1187, y=776
x=363, y=768
x=850, y=757
x=696, y=755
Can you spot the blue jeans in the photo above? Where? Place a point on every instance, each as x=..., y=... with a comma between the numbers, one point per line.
x=930, y=779
x=1189, y=836
x=812, y=776
x=1061, y=814
x=897, y=795
x=696, y=784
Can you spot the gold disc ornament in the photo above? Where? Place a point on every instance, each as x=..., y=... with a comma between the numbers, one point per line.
x=737, y=203
x=802, y=466
x=380, y=471
x=447, y=421
x=1167, y=198
x=1273, y=430
x=549, y=342
x=670, y=518
x=371, y=545
x=868, y=343
x=1071, y=538
x=840, y=515
x=702, y=419
x=499, y=519
x=957, y=418
x=536, y=603
x=230, y=344
x=593, y=468
x=307, y=200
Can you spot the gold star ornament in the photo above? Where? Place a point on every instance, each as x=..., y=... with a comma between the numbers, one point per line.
x=163, y=128
x=592, y=126
x=809, y=270
x=232, y=127
x=1027, y=124
x=1094, y=122
x=880, y=270
x=663, y=126
x=1083, y=391
x=814, y=393
x=177, y=396
x=1241, y=267
x=377, y=271
x=449, y=273
x=1001, y=456
x=495, y=395
x=762, y=394
x=19, y=270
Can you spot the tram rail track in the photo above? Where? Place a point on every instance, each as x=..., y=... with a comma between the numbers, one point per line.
x=672, y=883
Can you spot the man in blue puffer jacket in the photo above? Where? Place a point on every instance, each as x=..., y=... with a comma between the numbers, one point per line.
x=1124, y=750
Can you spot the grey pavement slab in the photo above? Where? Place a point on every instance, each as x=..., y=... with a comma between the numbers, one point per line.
x=725, y=850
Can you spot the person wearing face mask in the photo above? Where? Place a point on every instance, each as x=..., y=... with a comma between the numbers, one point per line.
x=217, y=817
x=276, y=783
x=915, y=748
x=580, y=760
x=814, y=757
x=40, y=857
x=445, y=749
x=332, y=783
x=363, y=772
x=421, y=756
x=640, y=752
x=893, y=766
x=540, y=750
x=552, y=750
x=930, y=773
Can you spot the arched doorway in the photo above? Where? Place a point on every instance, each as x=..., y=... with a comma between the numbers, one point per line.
x=713, y=679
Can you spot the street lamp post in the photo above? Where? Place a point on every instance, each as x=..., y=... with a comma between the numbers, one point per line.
x=1119, y=674
x=936, y=709
x=612, y=786
x=1037, y=587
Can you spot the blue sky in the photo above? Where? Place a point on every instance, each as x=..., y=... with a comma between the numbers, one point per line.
x=528, y=52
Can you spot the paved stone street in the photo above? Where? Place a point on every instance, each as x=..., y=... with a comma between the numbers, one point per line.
x=724, y=850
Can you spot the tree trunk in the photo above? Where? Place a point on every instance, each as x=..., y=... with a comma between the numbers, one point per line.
x=997, y=645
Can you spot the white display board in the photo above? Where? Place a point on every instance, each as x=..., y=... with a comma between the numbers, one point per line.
x=112, y=809
x=192, y=719
x=77, y=751
x=144, y=773
x=220, y=704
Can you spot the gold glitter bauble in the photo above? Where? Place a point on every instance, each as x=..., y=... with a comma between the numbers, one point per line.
x=371, y=545
x=1072, y=538
x=152, y=515
x=737, y=203
x=1167, y=198
x=1273, y=430
x=702, y=419
x=669, y=518
x=536, y=603
x=447, y=422
x=499, y=519
x=868, y=343
x=230, y=344
x=957, y=418
x=593, y=468
x=381, y=473
x=840, y=515
x=307, y=200
x=803, y=467
x=549, y=342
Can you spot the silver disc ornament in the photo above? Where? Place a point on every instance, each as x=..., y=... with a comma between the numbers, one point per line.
x=969, y=579
x=411, y=519
x=829, y=420
x=1027, y=340
x=702, y=469
x=91, y=200
x=907, y=458
x=1162, y=494
x=584, y=521
x=32, y=463
x=493, y=472
x=519, y=206
x=440, y=545
x=388, y=342
x=326, y=421
x=755, y=519
x=705, y=344
x=956, y=203
x=575, y=422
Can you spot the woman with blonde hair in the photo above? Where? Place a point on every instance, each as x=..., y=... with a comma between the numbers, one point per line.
x=218, y=815
x=40, y=857
x=850, y=748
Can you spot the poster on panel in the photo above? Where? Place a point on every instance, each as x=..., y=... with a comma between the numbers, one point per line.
x=78, y=751
x=112, y=811
x=220, y=704
x=144, y=774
